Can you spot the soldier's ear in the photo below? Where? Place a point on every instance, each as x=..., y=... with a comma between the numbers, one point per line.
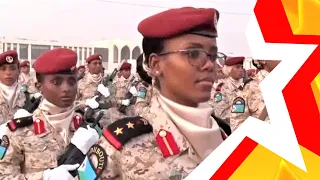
x=38, y=86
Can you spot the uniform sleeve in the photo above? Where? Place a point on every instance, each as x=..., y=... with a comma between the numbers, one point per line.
x=80, y=93
x=10, y=164
x=115, y=102
x=255, y=101
x=112, y=171
x=254, y=105
x=143, y=100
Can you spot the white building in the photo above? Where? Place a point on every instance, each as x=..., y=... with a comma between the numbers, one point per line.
x=112, y=51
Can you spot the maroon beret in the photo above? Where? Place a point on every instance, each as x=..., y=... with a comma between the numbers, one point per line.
x=231, y=61
x=9, y=57
x=94, y=57
x=125, y=66
x=56, y=61
x=174, y=22
x=25, y=64
x=251, y=72
x=81, y=67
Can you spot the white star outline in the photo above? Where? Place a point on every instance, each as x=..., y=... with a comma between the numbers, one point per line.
x=279, y=136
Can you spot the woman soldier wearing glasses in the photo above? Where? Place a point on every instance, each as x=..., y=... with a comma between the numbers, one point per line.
x=177, y=131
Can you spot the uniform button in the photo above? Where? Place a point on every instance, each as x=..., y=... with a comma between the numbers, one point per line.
x=163, y=133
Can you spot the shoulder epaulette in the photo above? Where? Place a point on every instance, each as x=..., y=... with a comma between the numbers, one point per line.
x=123, y=130
x=218, y=88
x=15, y=124
x=245, y=82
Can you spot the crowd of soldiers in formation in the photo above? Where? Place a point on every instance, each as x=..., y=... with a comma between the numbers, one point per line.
x=157, y=124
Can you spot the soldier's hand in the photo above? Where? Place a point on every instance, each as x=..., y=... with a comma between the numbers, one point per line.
x=84, y=138
x=92, y=103
x=103, y=90
x=125, y=102
x=133, y=91
x=61, y=172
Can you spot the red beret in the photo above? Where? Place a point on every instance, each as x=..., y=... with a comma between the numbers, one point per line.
x=9, y=57
x=125, y=66
x=25, y=64
x=251, y=72
x=94, y=57
x=55, y=61
x=81, y=67
x=174, y=22
x=231, y=61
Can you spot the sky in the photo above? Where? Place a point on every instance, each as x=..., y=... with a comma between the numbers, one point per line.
x=86, y=21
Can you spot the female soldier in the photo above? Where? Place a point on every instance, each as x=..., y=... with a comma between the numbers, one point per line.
x=32, y=146
x=11, y=96
x=181, y=57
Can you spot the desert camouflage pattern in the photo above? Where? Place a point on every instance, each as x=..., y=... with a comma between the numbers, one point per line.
x=228, y=91
x=6, y=113
x=29, y=154
x=141, y=158
x=261, y=75
x=86, y=89
x=110, y=115
x=254, y=104
x=143, y=103
x=30, y=81
x=120, y=88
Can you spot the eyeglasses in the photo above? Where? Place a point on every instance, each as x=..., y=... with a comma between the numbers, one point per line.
x=199, y=57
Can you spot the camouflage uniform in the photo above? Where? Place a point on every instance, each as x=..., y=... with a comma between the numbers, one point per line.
x=261, y=75
x=28, y=154
x=30, y=80
x=221, y=100
x=144, y=97
x=248, y=102
x=86, y=89
x=6, y=113
x=120, y=88
x=142, y=158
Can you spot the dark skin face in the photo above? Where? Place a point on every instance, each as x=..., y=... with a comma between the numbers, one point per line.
x=25, y=69
x=126, y=73
x=95, y=66
x=81, y=71
x=9, y=74
x=59, y=89
x=237, y=72
x=180, y=81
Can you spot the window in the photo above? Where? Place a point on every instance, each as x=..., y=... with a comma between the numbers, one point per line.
x=136, y=52
x=15, y=47
x=115, y=54
x=125, y=53
x=80, y=53
x=85, y=53
x=90, y=51
x=37, y=50
x=8, y=46
x=24, y=51
x=104, y=53
x=56, y=47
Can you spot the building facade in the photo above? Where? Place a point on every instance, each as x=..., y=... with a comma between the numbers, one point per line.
x=112, y=51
